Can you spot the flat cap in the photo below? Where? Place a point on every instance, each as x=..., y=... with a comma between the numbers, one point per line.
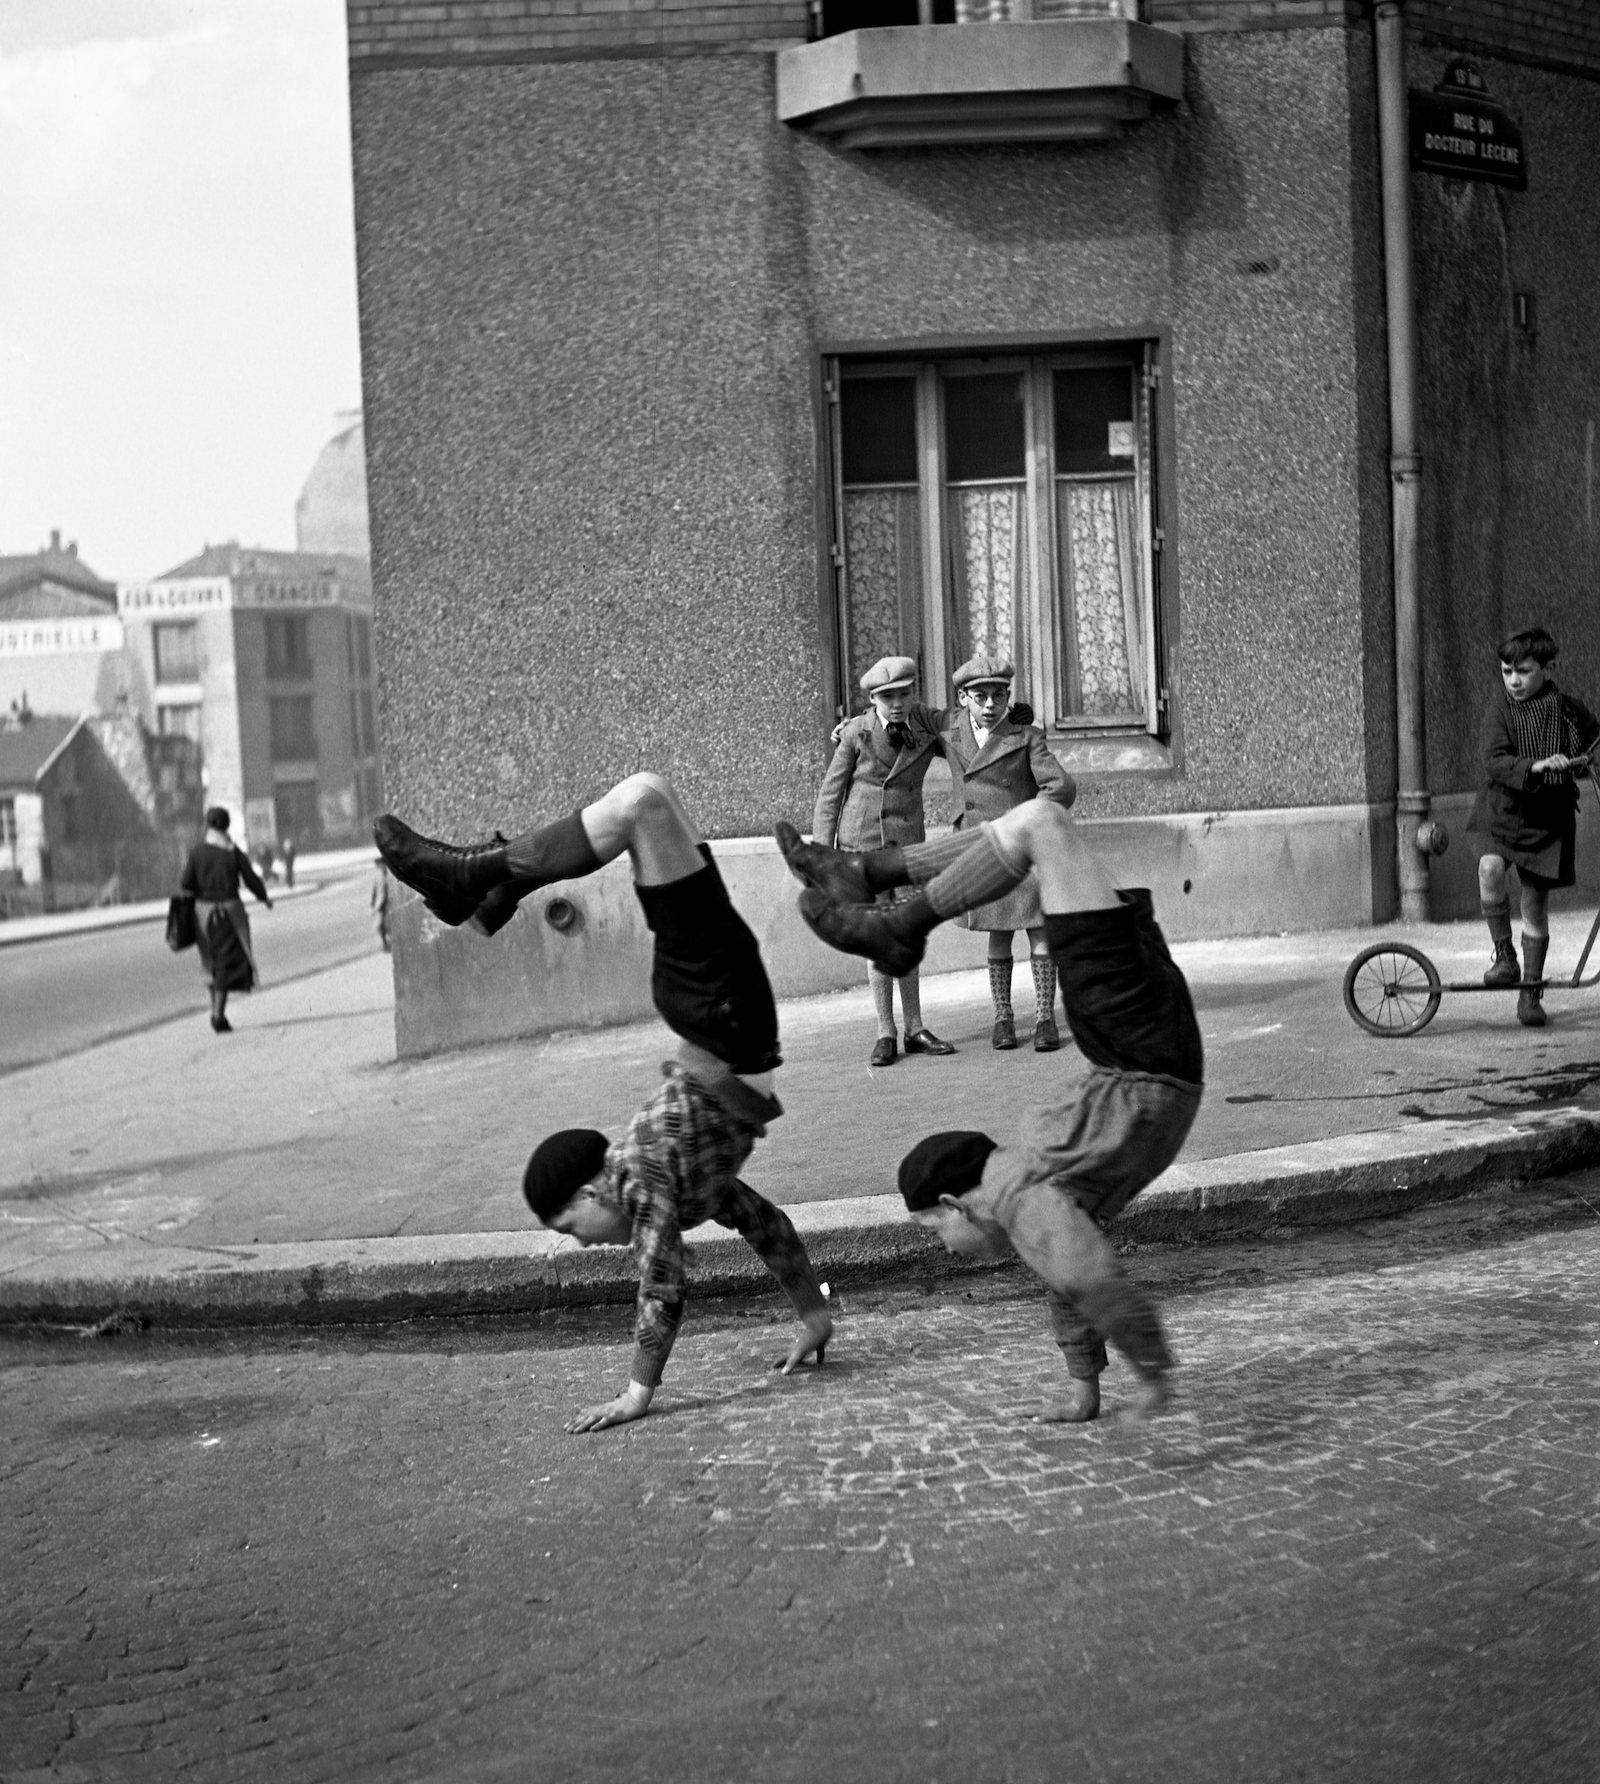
x=888, y=674
x=983, y=668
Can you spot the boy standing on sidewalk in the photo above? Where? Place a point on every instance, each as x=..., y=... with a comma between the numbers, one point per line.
x=1075, y=1162
x=871, y=795
x=998, y=759
x=1536, y=740
x=678, y=1163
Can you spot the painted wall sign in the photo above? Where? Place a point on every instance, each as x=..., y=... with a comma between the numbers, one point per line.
x=200, y=594
x=1457, y=129
x=192, y=594
x=59, y=637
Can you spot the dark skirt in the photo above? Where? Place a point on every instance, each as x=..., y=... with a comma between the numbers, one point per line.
x=223, y=941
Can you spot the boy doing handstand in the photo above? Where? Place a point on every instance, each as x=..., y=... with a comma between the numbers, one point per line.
x=678, y=1163
x=1075, y=1162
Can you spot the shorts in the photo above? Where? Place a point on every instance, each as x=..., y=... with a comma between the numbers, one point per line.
x=1110, y=1137
x=707, y=980
x=1126, y=1001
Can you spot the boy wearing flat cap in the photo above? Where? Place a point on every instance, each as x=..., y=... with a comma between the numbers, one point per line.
x=678, y=1163
x=872, y=796
x=996, y=762
x=1077, y=1162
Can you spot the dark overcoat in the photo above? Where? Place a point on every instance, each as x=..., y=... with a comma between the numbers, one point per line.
x=872, y=793
x=1014, y=764
x=1530, y=820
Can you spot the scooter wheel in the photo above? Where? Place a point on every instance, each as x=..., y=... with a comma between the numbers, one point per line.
x=1391, y=989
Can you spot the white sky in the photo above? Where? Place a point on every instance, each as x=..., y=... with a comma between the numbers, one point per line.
x=178, y=328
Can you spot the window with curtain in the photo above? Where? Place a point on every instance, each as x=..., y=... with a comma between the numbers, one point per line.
x=1003, y=504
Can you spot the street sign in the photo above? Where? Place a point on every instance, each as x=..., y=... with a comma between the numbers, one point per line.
x=1457, y=129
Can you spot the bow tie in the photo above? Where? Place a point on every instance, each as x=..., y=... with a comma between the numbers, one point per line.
x=899, y=736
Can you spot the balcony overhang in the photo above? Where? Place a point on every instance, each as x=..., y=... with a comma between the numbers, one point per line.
x=1048, y=80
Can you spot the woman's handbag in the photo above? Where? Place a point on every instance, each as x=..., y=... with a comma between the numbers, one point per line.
x=181, y=931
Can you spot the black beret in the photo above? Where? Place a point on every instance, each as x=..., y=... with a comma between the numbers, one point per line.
x=217, y=817
x=947, y=1164
x=560, y=1167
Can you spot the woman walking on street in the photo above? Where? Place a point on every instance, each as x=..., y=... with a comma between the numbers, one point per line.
x=212, y=876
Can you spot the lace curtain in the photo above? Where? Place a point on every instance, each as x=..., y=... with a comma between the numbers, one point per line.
x=1100, y=581
x=989, y=558
x=881, y=559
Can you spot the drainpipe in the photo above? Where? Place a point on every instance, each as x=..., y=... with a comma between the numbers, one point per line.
x=1416, y=837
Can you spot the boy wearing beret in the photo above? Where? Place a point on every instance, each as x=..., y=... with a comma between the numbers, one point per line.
x=678, y=1163
x=1076, y=1162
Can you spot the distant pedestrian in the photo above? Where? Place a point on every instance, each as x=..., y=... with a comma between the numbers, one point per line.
x=996, y=762
x=871, y=795
x=213, y=873
x=678, y=1163
x=287, y=847
x=1077, y=1161
x=264, y=860
x=378, y=902
x=1536, y=741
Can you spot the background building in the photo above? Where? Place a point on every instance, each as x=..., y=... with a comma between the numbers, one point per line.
x=331, y=514
x=264, y=658
x=1063, y=334
x=60, y=637
x=93, y=810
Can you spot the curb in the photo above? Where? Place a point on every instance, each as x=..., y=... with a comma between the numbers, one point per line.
x=867, y=1238
x=18, y=932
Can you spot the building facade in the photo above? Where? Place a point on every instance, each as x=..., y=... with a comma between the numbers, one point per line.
x=264, y=658
x=93, y=810
x=60, y=637
x=331, y=514
x=705, y=362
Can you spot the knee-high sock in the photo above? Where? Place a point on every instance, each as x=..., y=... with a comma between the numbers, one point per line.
x=924, y=861
x=975, y=877
x=1534, y=948
x=911, y=1000
x=882, y=1001
x=558, y=851
x=1498, y=917
x=1044, y=986
x=1000, y=984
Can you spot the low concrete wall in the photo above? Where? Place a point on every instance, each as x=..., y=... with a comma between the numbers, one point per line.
x=1212, y=874
x=1455, y=873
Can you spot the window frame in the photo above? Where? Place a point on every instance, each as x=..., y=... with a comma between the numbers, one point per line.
x=929, y=358
x=288, y=665
x=173, y=629
x=277, y=703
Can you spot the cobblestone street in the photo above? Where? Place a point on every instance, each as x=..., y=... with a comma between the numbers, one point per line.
x=1364, y=1545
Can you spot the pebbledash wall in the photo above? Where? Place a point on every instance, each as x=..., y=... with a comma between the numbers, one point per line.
x=599, y=280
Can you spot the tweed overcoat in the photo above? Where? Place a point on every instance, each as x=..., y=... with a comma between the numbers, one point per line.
x=872, y=793
x=1015, y=764
x=1529, y=820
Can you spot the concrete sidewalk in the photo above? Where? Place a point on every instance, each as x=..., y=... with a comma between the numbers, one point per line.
x=294, y=1171
x=309, y=870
